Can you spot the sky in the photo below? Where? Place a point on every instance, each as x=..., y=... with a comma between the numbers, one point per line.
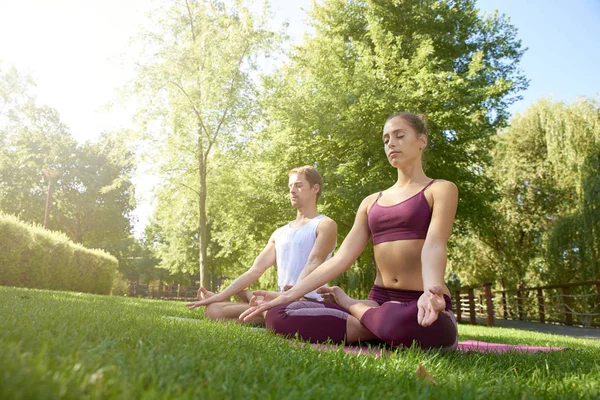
x=77, y=52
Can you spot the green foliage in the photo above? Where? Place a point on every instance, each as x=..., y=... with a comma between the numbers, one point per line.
x=546, y=222
x=110, y=347
x=31, y=256
x=369, y=59
x=194, y=79
x=92, y=194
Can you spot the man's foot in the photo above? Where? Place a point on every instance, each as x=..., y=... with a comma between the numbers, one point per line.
x=204, y=294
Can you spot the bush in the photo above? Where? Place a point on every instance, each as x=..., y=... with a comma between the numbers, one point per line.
x=33, y=257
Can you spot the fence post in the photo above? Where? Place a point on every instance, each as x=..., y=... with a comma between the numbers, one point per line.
x=472, y=306
x=458, y=305
x=540, y=297
x=598, y=292
x=520, y=305
x=489, y=303
x=504, y=310
x=568, y=306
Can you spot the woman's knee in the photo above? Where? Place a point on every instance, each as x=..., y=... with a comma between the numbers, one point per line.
x=275, y=318
x=393, y=323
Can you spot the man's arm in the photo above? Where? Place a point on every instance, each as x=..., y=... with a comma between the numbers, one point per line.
x=264, y=261
x=324, y=244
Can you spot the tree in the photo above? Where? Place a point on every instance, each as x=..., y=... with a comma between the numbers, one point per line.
x=93, y=195
x=546, y=224
x=195, y=76
x=15, y=94
x=368, y=59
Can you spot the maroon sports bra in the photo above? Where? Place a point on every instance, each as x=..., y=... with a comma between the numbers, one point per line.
x=403, y=221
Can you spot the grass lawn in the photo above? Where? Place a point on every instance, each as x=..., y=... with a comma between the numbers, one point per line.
x=71, y=345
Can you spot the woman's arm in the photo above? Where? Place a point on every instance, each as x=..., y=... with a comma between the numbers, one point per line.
x=349, y=251
x=434, y=253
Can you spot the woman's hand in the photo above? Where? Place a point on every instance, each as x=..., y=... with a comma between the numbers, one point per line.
x=257, y=300
x=270, y=300
x=429, y=305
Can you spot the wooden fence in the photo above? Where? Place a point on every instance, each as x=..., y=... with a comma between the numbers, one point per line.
x=569, y=304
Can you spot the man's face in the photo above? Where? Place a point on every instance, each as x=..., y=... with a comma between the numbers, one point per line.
x=301, y=193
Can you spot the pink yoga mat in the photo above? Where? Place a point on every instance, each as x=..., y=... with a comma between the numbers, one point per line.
x=475, y=345
x=467, y=345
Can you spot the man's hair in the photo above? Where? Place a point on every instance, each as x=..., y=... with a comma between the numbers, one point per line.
x=312, y=176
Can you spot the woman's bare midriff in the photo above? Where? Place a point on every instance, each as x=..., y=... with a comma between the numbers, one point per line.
x=399, y=264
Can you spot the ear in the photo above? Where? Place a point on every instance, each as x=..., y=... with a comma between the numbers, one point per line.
x=423, y=141
x=315, y=188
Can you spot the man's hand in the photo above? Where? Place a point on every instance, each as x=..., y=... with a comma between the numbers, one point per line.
x=429, y=305
x=271, y=299
x=204, y=294
x=205, y=297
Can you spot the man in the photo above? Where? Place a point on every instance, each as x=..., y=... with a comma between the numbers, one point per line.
x=297, y=248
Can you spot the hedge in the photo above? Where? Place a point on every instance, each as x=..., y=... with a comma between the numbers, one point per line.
x=33, y=257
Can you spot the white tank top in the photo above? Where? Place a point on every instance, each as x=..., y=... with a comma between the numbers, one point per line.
x=292, y=248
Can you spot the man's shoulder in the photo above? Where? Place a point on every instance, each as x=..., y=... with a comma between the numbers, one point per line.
x=326, y=224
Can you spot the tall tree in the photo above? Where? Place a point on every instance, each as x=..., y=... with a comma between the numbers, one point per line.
x=368, y=59
x=195, y=73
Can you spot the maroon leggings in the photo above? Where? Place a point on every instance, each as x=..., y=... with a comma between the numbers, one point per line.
x=394, y=322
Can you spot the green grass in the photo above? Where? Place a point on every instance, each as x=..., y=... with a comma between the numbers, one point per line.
x=71, y=345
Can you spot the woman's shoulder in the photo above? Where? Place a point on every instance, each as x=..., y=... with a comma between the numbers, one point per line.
x=443, y=186
x=442, y=192
x=368, y=201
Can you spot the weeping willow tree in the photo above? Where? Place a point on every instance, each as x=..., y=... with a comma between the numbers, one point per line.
x=573, y=142
x=547, y=223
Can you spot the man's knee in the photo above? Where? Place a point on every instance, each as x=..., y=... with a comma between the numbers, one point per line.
x=214, y=311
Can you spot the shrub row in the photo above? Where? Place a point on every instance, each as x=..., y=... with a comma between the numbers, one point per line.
x=33, y=257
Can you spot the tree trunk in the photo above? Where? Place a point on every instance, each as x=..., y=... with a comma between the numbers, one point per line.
x=202, y=234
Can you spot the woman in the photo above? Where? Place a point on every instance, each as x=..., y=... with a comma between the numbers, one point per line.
x=410, y=224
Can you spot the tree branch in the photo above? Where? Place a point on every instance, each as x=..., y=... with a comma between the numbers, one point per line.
x=187, y=4
x=231, y=88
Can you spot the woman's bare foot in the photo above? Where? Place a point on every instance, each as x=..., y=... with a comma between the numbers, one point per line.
x=204, y=294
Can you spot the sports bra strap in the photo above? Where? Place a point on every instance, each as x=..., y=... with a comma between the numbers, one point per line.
x=429, y=184
x=373, y=203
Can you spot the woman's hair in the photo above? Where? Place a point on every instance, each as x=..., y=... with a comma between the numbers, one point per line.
x=311, y=174
x=417, y=122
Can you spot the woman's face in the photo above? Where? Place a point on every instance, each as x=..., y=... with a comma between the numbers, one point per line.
x=402, y=145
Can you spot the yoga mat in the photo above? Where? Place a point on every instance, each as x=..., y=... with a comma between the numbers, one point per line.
x=482, y=347
x=464, y=346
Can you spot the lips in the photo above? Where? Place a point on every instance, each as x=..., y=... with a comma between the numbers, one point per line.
x=393, y=152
